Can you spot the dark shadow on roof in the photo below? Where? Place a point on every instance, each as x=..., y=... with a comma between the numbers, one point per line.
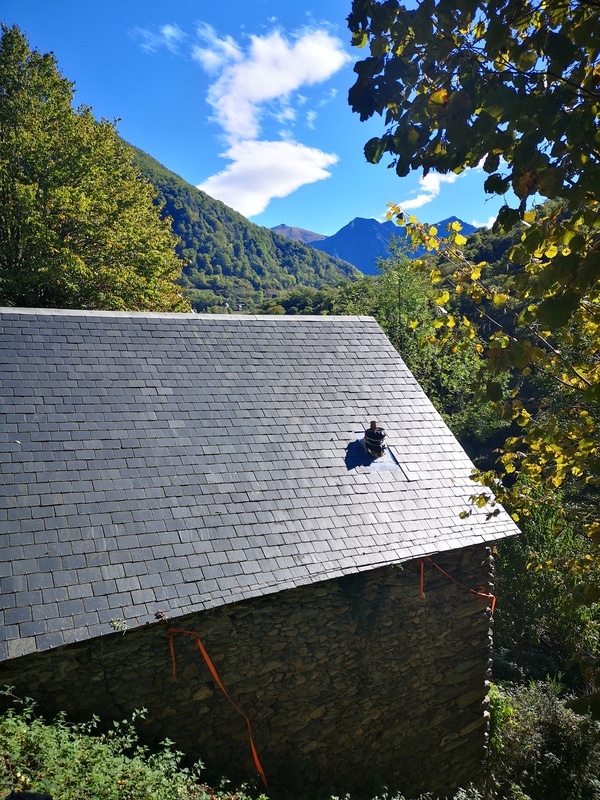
x=356, y=456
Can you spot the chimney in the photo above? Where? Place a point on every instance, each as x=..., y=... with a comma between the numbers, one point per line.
x=374, y=440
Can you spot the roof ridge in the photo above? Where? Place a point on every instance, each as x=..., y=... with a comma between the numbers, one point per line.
x=76, y=312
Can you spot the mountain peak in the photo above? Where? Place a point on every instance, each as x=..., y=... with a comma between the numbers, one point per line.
x=298, y=234
x=363, y=241
x=467, y=229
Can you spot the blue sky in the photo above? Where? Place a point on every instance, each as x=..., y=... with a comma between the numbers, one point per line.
x=246, y=99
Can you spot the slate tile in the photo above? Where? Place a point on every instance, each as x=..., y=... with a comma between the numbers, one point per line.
x=13, y=616
x=13, y=584
x=48, y=641
x=32, y=629
x=141, y=596
x=23, y=646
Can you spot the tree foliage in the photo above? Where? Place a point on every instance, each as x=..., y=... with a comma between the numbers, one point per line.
x=513, y=87
x=78, y=225
x=540, y=749
x=539, y=621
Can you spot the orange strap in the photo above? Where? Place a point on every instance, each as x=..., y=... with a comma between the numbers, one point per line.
x=219, y=682
x=454, y=580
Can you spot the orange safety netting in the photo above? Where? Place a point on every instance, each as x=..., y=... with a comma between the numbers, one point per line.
x=453, y=579
x=219, y=682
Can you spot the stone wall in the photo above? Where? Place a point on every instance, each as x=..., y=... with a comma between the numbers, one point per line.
x=353, y=682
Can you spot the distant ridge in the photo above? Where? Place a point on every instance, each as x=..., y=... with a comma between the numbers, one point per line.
x=362, y=242
x=298, y=234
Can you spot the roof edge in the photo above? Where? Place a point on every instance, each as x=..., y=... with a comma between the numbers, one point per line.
x=66, y=312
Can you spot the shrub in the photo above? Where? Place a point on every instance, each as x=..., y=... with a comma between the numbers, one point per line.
x=540, y=749
x=75, y=762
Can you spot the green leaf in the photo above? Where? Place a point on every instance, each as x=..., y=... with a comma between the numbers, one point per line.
x=555, y=312
x=501, y=103
x=493, y=391
x=359, y=39
x=496, y=184
x=374, y=149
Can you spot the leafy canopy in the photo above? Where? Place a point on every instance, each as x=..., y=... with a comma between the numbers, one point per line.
x=78, y=225
x=514, y=87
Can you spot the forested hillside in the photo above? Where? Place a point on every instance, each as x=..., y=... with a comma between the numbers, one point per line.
x=229, y=261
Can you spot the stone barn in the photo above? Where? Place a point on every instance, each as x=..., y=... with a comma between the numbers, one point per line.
x=191, y=524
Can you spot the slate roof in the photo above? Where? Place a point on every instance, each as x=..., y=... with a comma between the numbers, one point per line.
x=178, y=462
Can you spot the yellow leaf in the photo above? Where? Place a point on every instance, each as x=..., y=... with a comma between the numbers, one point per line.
x=442, y=298
x=551, y=251
x=456, y=226
x=460, y=239
x=475, y=273
x=450, y=321
x=433, y=231
x=529, y=216
x=439, y=98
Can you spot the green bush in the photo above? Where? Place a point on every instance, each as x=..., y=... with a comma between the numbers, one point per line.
x=76, y=762
x=540, y=749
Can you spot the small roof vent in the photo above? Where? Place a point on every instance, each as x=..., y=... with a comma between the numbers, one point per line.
x=374, y=441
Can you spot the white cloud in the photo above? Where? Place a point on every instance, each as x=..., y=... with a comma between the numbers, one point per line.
x=260, y=171
x=431, y=186
x=221, y=52
x=272, y=69
x=266, y=78
x=285, y=114
x=169, y=36
x=487, y=224
x=255, y=79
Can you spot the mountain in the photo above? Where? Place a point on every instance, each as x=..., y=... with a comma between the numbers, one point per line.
x=230, y=263
x=298, y=234
x=363, y=242
x=467, y=228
